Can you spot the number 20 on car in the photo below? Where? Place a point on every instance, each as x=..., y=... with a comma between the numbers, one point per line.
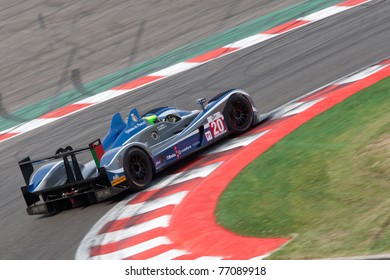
x=217, y=126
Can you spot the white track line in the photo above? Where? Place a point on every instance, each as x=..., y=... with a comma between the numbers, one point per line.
x=361, y=75
x=169, y=255
x=134, y=250
x=236, y=142
x=150, y=205
x=174, y=179
x=116, y=236
x=325, y=13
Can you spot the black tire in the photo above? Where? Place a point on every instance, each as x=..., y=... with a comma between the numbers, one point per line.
x=138, y=168
x=238, y=114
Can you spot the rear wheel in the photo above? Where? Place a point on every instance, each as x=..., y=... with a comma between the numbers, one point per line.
x=238, y=114
x=138, y=168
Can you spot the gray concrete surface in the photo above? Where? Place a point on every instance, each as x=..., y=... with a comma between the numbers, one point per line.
x=43, y=41
x=274, y=72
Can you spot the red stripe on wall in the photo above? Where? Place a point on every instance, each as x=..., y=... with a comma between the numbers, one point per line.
x=319, y=94
x=126, y=243
x=351, y=2
x=286, y=26
x=212, y=54
x=7, y=135
x=124, y=223
x=65, y=110
x=385, y=62
x=138, y=82
x=166, y=191
x=152, y=252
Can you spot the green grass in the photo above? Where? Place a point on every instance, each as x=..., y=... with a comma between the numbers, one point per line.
x=327, y=184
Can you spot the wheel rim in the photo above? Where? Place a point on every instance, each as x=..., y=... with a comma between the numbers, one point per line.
x=238, y=114
x=138, y=169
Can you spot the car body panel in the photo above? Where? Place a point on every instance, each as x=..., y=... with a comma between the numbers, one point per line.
x=177, y=134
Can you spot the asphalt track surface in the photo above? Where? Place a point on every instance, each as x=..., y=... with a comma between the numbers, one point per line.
x=43, y=41
x=274, y=72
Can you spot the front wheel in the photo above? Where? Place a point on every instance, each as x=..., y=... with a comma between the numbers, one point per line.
x=138, y=168
x=238, y=114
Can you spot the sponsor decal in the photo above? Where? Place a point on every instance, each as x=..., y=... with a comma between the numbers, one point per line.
x=217, y=125
x=171, y=156
x=212, y=117
x=134, y=117
x=176, y=152
x=117, y=180
x=161, y=126
x=185, y=149
x=135, y=126
x=158, y=160
x=208, y=135
x=196, y=144
x=180, y=151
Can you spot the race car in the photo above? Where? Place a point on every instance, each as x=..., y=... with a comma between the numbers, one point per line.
x=132, y=152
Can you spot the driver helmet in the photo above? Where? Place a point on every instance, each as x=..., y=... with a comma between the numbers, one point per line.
x=152, y=119
x=173, y=118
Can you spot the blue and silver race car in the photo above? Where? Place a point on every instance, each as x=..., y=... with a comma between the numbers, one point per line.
x=132, y=152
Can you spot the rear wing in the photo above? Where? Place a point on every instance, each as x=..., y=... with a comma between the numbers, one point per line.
x=72, y=167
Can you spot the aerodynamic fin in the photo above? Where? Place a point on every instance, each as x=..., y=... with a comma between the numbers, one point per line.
x=116, y=128
x=134, y=125
x=133, y=116
x=27, y=169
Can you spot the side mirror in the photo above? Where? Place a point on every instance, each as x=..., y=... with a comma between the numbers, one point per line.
x=201, y=102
